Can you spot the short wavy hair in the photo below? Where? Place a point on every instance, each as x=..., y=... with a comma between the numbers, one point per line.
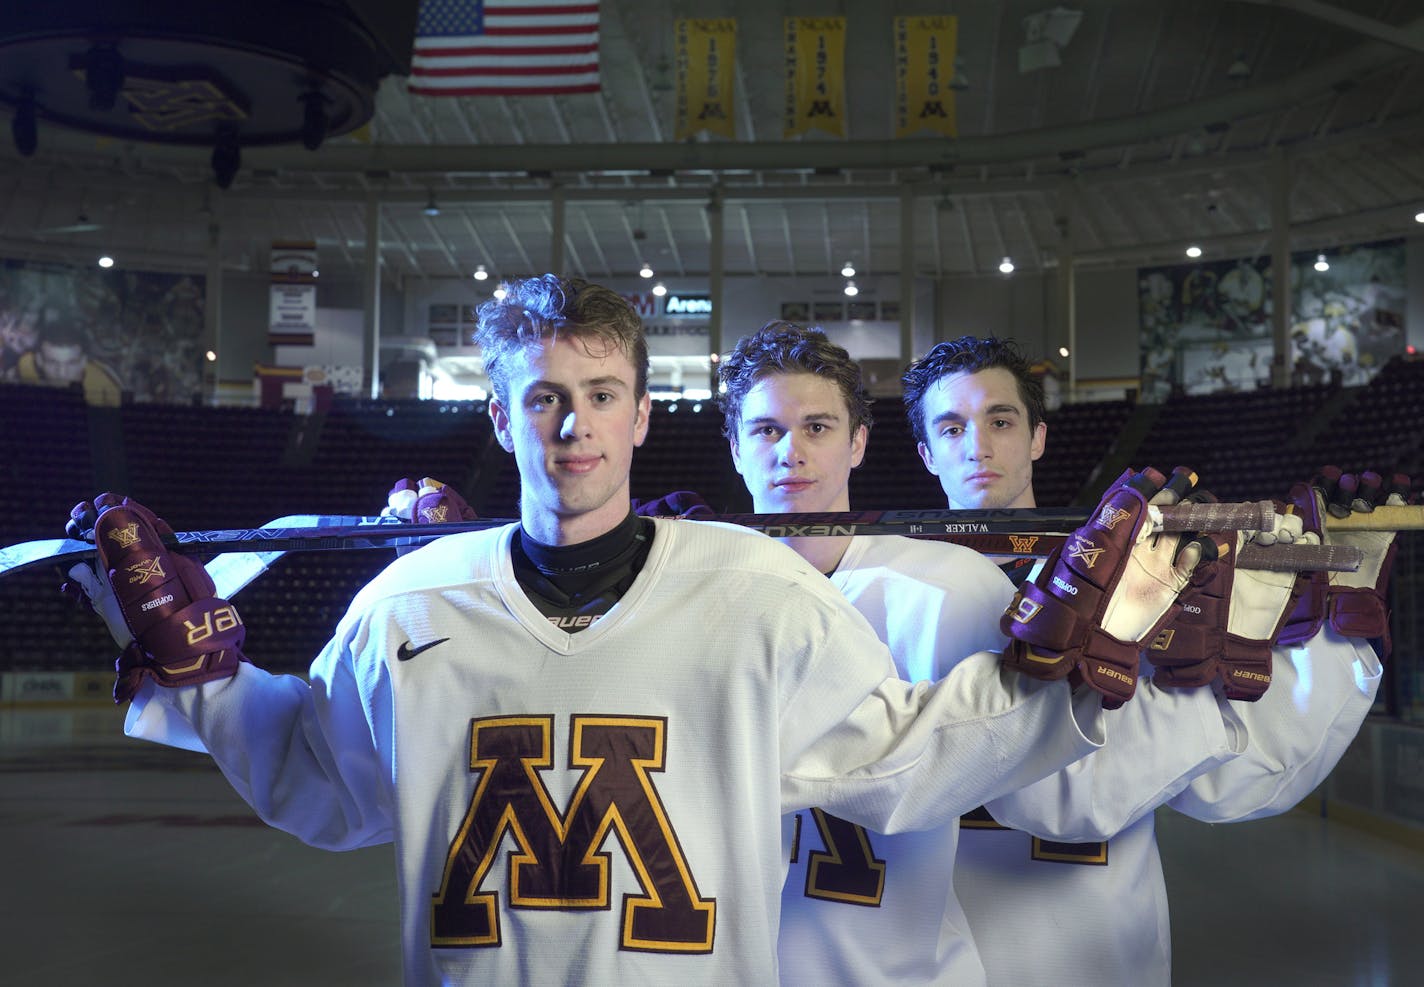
x=970, y=354
x=786, y=348
x=546, y=306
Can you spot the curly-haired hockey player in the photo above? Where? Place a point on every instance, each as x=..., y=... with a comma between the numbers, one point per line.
x=628, y=705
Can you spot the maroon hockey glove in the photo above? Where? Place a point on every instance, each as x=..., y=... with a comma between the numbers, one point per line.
x=426, y=501
x=1312, y=588
x=1227, y=619
x=1355, y=603
x=679, y=503
x=182, y=634
x=1106, y=590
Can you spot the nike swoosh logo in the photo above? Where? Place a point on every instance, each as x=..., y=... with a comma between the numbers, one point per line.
x=405, y=652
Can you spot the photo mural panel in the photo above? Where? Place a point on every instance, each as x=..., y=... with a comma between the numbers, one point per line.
x=1206, y=326
x=109, y=331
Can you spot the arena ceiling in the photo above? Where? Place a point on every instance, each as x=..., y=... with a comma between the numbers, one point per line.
x=1166, y=123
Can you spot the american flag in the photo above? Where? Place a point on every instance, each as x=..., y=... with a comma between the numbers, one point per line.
x=505, y=48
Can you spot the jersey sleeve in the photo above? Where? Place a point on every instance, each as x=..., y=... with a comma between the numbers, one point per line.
x=1160, y=742
x=910, y=757
x=312, y=759
x=1298, y=731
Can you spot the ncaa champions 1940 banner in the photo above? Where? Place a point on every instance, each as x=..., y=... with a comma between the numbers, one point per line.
x=110, y=332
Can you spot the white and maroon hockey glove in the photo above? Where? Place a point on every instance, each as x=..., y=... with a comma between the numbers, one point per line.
x=160, y=606
x=1355, y=603
x=426, y=501
x=678, y=504
x=1106, y=590
x=1227, y=619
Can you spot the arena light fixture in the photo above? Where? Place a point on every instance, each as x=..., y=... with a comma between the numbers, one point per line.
x=1006, y=266
x=1321, y=264
x=1194, y=251
x=1419, y=217
x=660, y=289
x=646, y=271
x=480, y=273
x=432, y=208
x=848, y=271
x=212, y=357
x=851, y=289
x=1063, y=351
x=500, y=294
x=106, y=262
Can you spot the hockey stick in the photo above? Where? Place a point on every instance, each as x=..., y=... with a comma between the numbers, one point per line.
x=1019, y=532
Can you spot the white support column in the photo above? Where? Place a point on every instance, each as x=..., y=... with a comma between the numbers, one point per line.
x=1068, y=285
x=557, y=208
x=371, y=301
x=715, y=248
x=1280, y=268
x=212, y=308
x=907, y=276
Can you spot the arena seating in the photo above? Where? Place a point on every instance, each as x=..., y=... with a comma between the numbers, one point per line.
x=206, y=467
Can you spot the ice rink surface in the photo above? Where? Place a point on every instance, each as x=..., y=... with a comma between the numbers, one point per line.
x=130, y=865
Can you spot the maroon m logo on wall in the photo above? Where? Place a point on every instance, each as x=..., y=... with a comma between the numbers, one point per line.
x=559, y=864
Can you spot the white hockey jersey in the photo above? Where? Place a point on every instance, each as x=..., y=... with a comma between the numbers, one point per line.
x=1080, y=866
x=605, y=806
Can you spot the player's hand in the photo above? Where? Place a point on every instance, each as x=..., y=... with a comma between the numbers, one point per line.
x=1106, y=590
x=1355, y=603
x=678, y=504
x=426, y=501
x=1227, y=619
x=161, y=606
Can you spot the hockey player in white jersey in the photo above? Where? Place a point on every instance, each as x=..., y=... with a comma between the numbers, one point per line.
x=859, y=906
x=627, y=706
x=1074, y=857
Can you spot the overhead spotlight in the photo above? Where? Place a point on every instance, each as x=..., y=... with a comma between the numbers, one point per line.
x=316, y=273
x=646, y=271
x=959, y=82
x=103, y=76
x=697, y=408
x=106, y=262
x=1006, y=266
x=1239, y=70
x=851, y=289
x=1321, y=264
x=314, y=120
x=1194, y=251
x=432, y=208
x=1046, y=34
x=500, y=294
x=848, y=271
x=1419, y=217
x=480, y=273
x=227, y=158
x=716, y=358
x=1063, y=351
x=660, y=289
x=23, y=127
x=211, y=356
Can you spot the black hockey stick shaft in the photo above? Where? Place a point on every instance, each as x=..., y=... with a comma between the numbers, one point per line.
x=1020, y=532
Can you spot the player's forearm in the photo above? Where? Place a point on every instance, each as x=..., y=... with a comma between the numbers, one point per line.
x=1297, y=731
x=269, y=736
x=1156, y=745
x=915, y=757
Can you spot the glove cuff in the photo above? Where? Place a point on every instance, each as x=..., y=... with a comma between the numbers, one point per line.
x=1358, y=612
x=135, y=664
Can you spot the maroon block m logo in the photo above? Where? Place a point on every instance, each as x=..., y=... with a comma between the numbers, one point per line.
x=560, y=863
